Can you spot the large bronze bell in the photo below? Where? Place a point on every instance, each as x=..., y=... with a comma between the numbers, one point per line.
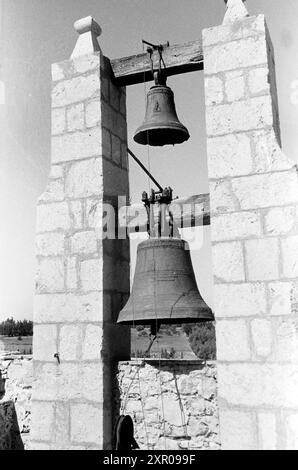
x=164, y=287
x=161, y=125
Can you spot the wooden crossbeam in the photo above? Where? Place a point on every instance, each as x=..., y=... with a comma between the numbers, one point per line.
x=178, y=59
x=193, y=211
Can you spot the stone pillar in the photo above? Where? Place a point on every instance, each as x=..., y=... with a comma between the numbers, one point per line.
x=83, y=277
x=254, y=203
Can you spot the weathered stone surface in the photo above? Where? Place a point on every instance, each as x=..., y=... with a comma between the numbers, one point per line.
x=68, y=308
x=238, y=430
x=251, y=26
x=75, y=117
x=71, y=273
x=292, y=432
x=235, y=85
x=281, y=220
x=58, y=121
x=236, y=226
x=258, y=80
x=290, y=257
x=92, y=344
x=257, y=385
x=50, y=244
x=262, y=259
x=232, y=340
x=69, y=342
x=280, y=294
x=221, y=197
x=43, y=419
x=229, y=156
x=50, y=275
x=237, y=300
x=45, y=343
x=84, y=179
x=261, y=330
x=93, y=113
x=51, y=217
x=228, y=262
x=239, y=116
x=86, y=424
x=84, y=242
x=272, y=189
x=268, y=155
x=78, y=89
x=54, y=191
x=213, y=91
x=235, y=55
x=286, y=342
x=177, y=400
x=91, y=275
x=77, y=145
x=267, y=430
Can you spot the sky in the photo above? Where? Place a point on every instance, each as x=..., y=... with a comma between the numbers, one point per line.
x=37, y=33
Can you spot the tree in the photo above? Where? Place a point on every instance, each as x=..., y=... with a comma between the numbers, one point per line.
x=11, y=328
x=202, y=339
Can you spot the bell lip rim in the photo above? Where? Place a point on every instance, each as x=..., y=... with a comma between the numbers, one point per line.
x=176, y=128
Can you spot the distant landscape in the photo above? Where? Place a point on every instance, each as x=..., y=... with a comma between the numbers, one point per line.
x=189, y=341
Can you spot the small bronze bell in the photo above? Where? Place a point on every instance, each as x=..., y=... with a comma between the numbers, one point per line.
x=161, y=125
x=164, y=288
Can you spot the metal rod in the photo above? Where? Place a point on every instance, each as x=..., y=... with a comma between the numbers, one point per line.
x=144, y=169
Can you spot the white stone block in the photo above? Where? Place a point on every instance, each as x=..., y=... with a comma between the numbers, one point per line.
x=84, y=242
x=43, y=421
x=267, y=431
x=93, y=113
x=261, y=191
x=92, y=345
x=58, y=121
x=259, y=384
x=292, y=432
x=54, y=191
x=213, y=91
x=280, y=220
x=236, y=225
x=52, y=217
x=50, y=244
x=228, y=262
x=290, y=256
x=237, y=430
x=85, y=179
x=268, y=155
x=262, y=259
x=286, y=344
x=71, y=273
x=75, y=90
x=76, y=214
x=261, y=331
x=237, y=300
x=70, y=341
x=232, y=340
x=45, y=342
x=75, y=117
x=50, y=275
x=116, y=150
x=235, y=55
x=251, y=26
x=280, y=298
x=229, y=156
x=91, y=275
x=239, y=116
x=87, y=63
x=56, y=172
x=68, y=308
x=258, y=80
x=86, y=423
x=235, y=85
x=221, y=197
x=76, y=146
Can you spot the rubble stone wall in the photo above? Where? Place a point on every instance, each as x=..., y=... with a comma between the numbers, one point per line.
x=16, y=378
x=173, y=403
